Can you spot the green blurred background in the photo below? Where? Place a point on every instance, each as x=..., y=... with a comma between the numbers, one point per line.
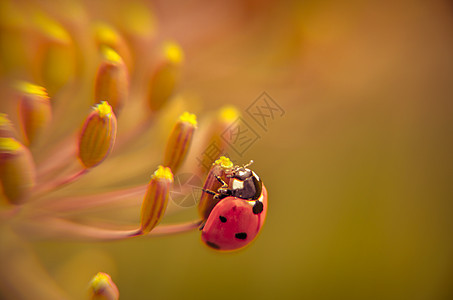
x=358, y=169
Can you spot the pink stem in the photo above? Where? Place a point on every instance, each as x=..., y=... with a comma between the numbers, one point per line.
x=54, y=185
x=51, y=228
x=78, y=203
x=169, y=229
x=58, y=157
x=130, y=135
x=9, y=212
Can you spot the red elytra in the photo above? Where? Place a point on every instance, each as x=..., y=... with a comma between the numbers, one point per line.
x=232, y=224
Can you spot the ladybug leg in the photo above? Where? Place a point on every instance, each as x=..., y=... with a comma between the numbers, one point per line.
x=224, y=191
x=202, y=225
x=217, y=196
x=224, y=184
x=209, y=192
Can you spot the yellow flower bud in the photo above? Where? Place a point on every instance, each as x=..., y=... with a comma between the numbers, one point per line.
x=137, y=20
x=112, y=80
x=97, y=135
x=165, y=78
x=207, y=202
x=107, y=36
x=156, y=199
x=17, y=171
x=179, y=141
x=102, y=287
x=225, y=118
x=57, y=65
x=6, y=127
x=35, y=111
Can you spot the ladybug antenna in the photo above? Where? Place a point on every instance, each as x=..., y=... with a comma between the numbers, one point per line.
x=251, y=162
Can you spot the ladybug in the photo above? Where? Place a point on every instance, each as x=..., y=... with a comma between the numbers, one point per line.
x=239, y=216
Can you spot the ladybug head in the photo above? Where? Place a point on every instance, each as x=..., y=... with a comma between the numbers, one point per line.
x=241, y=173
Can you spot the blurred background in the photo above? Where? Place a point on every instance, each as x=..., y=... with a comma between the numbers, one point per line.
x=358, y=162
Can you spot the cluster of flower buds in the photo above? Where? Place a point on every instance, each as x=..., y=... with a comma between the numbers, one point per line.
x=51, y=150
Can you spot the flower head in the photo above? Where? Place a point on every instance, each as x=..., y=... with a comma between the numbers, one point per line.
x=102, y=287
x=6, y=127
x=17, y=172
x=112, y=80
x=119, y=66
x=179, y=141
x=156, y=199
x=97, y=135
x=165, y=78
x=34, y=110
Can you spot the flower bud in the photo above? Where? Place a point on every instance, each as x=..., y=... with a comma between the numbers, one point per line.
x=17, y=171
x=97, y=135
x=112, y=80
x=57, y=64
x=165, y=78
x=219, y=168
x=102, y=287
x=15, y=30
x=156, y=199
x=107, y=36
x=35, y=111
x=6, y=127
x=224, y=120
x=179, y=141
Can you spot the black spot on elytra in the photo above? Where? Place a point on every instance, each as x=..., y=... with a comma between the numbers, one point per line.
x=222, y=219
x=212, y=245
x=241, y=235
x=258, y=207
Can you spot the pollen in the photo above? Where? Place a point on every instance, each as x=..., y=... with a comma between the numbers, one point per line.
x=173, y=52
x=104, y=109
x=224, y=162
x=189, y=118
x=51, y=28
x=9, y=145
x=111, y=55
x=229, y=114
x=137, y=18
x=4, y=119
x=32, y=89
x=103, y=287
x=163, y=173
x=100, y=281
x=105, y=34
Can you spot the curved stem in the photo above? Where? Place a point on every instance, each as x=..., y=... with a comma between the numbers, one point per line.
x=132, y=134
x=169, y=229
x=51, y=228
x=58, y=156
x=80, y=203
x=43, y=189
